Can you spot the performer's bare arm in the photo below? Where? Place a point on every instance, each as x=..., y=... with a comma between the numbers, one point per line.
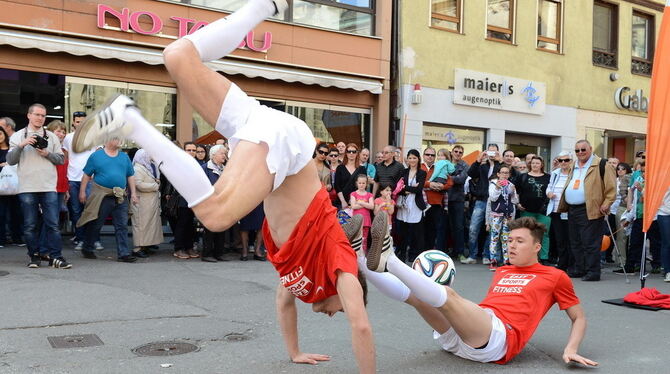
x=576, y=314
x=287, y=314
x=362, y=341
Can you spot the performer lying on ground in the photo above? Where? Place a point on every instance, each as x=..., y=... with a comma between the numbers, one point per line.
x=499, y=327
x=272, y=152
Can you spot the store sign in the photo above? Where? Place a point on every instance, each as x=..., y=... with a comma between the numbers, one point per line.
x=130, y=22
x=492, y=91
x=453, y=136
x=636, y=102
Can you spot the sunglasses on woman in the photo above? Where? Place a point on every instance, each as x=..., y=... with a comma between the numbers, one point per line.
x=322, y=153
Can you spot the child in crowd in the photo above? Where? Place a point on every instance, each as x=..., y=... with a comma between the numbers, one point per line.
x=500, y=212
x=362, y=202
x=443, y=168
x=384, y=203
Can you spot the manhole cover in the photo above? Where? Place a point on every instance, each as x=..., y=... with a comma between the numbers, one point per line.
x=165, y=349
x=74, y=341
x=3, y=273
x=236, y=337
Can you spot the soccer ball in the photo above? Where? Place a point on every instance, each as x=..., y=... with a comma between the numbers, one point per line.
x=437, y=266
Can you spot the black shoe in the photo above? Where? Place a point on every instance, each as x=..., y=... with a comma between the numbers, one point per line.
x=35, y=262
x=591, y=278
x=575, y=275
x=244, y=258
x=126, y=258
x=59, y=263
x=140, y=254
x=259, y=258
x=150, y=250
x=208, y=259
x=89, y=254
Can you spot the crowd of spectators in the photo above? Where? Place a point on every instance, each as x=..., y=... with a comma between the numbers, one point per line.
x=434, y=199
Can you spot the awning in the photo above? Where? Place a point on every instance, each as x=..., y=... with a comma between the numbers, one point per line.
x=129, y=53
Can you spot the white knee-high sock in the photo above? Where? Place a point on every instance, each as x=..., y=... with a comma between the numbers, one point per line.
x=182, y=170
x=425, y=289
x=221, y=37
x=386, y=283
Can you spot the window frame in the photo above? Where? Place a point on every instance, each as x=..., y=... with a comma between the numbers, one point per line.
x=559, y=29
x=614, y=30
x=457, y=20
x=510, y=30
x=651, y=43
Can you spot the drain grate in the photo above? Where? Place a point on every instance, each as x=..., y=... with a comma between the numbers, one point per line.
x=3, y=273
x=236, y=337
x=74, y=341
x=165, y=349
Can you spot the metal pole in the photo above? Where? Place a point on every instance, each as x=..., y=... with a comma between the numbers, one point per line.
x=643, y=262
x=616, y=249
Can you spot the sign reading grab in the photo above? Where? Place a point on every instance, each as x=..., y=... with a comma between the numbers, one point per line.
x=130, y=21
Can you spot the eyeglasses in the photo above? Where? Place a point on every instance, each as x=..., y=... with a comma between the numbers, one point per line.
x=323, y=153
x=457, y=152
x=429, y=154
x=79, y=114
x=352, y=151
x=563, y=160
x=333, y=155
x=581, y=150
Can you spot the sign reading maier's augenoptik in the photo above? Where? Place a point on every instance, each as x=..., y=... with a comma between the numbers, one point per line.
x=492, y=91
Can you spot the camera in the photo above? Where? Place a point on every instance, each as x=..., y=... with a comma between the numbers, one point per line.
x=491, y=153
x=41, y=142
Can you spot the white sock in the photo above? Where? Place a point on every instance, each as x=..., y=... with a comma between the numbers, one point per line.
x=182, y=170
x=386, y=283
x=421, y=286
x=222, y=36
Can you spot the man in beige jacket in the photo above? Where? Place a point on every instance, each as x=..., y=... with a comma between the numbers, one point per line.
x=587, y=197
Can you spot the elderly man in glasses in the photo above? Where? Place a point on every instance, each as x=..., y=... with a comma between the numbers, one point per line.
x=587, y=196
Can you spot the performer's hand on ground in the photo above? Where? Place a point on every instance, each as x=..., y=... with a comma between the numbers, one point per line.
x=309, y=358
x=574, y=357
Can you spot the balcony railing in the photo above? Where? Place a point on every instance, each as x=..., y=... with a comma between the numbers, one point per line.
x=605, y=59
x=642, y=67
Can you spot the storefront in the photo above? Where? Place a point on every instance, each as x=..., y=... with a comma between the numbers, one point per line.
x=72, y=58
x=485, y=108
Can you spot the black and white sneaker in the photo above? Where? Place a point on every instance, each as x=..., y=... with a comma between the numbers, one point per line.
x=354, y=232
x=382, y=244
x=35, y=262
x=59, y=263
x=107, y=121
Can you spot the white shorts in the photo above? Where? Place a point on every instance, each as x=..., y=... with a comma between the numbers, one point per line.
x=494, y=350
x=290, y=142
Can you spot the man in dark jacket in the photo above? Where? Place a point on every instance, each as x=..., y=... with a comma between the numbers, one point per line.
x=480, y=172
x=457, y=201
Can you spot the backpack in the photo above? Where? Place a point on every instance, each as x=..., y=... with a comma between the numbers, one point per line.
x=503, y=205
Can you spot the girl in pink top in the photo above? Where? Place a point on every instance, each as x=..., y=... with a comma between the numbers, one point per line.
x=362, y=202
x=384, y=203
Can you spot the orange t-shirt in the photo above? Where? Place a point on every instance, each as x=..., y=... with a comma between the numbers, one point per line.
x=521, y=296
x=317, y=248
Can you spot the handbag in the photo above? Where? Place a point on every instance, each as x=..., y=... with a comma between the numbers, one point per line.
x=9, y=180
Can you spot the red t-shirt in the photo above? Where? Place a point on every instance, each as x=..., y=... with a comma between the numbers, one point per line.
x=317, y=248
x=521, y=296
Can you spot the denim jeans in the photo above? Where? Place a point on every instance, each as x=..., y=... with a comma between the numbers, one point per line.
x=119, y=214
x=75, y=207
x=456, y=226
x=31, y=202
x=664, y=231
x=476, y=224
x=44, y=242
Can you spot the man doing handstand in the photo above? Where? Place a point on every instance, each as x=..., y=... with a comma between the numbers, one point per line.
x=271, y=152
x=499, y=327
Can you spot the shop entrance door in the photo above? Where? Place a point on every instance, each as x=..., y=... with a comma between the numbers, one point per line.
x=523, y=144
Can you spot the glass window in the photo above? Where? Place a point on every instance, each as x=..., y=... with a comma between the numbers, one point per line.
x=20, y=89
x=642, y=43
x=158, y=104
x=446, y=14
x=333, y=126
x=549, y=25
x=500, y=20
x=605, y=31
x=447, y=136
x=331, y=17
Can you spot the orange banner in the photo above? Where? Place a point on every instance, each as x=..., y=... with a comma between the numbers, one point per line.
x=657, y=178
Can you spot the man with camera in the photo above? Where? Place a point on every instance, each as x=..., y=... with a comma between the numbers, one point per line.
x=37, y=152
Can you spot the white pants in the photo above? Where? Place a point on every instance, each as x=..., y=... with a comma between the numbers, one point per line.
x=290, y=142
x=494, y=350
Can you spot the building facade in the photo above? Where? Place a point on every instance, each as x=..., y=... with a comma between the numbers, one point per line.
x=532, y=76
x=324, y=61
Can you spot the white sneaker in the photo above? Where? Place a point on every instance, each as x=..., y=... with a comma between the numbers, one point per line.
x=98, y=246
x=78, y=246
x=486, y=261
x=104, y=123
x=667, y=277
x=382, y=244
x=468, y=261
x=354, y=232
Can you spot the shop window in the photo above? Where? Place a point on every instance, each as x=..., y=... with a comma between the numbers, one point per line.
x=643, y=43
x=446, y=14
x=549, y=25
x=447, y=136
x=20, y=89
x=500, y=20
x=353, y=16
x=158, y=104
x=605, y=34
x=334, y=124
